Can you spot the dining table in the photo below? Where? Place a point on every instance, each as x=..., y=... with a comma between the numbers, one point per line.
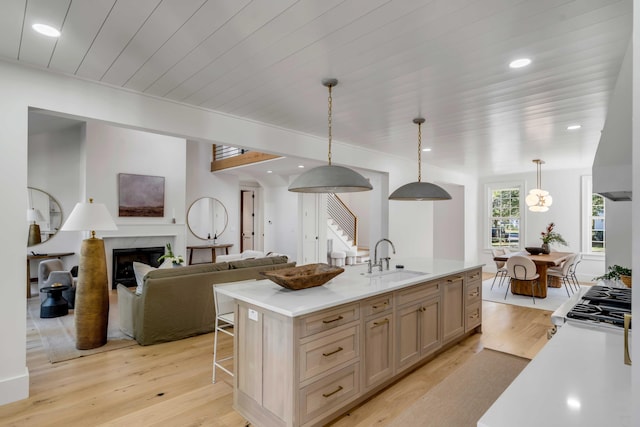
x=542, y=262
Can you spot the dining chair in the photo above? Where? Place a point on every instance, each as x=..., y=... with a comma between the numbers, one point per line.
x=522, y=268
x=564, y=274
x=572, y=270
x=501, y=270
x=223, y=323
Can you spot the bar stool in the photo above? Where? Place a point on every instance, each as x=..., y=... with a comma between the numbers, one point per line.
x=337, y=258
x=224, y=321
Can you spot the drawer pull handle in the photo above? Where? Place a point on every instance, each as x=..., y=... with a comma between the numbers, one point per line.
x=474, y=294
x=376, y=324
x=333, y=392
x=384, y=304
x=423, y=309
x=454, y=279
x=333, y=320
x=333, y=352
x=473, y=316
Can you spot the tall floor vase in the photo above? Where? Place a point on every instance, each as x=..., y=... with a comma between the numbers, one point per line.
x=92, y=296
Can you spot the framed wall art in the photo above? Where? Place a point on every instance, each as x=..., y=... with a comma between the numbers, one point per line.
x=140, y=195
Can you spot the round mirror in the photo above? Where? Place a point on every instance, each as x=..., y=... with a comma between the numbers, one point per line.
x=44, y=216
x=207, y=218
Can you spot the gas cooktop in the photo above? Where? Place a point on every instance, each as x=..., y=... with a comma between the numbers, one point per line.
x=603, y=304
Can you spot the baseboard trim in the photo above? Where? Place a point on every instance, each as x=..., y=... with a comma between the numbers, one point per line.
x=15, y=388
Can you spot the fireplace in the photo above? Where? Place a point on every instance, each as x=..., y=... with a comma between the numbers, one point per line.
x=123, y=260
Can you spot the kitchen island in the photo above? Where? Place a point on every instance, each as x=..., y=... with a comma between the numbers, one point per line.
x=304, y=357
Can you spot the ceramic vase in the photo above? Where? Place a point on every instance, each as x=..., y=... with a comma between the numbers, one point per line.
x=545, y=248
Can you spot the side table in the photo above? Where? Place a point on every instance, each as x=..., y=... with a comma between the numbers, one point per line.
x=54, y=305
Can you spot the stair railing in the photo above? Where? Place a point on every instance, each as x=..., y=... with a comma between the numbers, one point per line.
x=343, y=217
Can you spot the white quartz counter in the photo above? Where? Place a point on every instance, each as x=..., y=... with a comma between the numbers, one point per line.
x=577, y=379
x=352, y=285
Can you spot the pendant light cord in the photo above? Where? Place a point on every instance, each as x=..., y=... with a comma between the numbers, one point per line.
x=419, y=152
x=329, y=121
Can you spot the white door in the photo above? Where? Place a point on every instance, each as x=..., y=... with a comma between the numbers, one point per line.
x=247, y=226
x=310, y=228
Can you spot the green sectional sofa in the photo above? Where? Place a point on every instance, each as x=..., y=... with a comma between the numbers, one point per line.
x=177, y=303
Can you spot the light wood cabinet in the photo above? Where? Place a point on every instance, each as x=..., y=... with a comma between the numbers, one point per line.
x=304, y=371
x=453, y=302
x=473, y=300
x=418, y=331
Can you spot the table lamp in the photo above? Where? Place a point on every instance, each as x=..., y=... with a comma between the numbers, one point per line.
x=33, y=216
x=92, y=295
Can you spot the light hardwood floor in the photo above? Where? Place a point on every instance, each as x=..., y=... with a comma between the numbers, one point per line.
x=170, y=384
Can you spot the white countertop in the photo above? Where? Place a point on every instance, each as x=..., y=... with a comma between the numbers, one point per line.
x=577, y=379
x=352, y=285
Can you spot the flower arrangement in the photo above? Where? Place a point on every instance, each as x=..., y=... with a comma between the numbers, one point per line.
x=616, y=272
x=550, y=236
x=175, y=259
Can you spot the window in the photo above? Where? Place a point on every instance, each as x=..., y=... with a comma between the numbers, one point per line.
x=597, y=223
x=593, y=219
x=504, y=215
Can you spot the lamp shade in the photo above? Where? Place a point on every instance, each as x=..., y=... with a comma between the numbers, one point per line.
x=89, y=217
x=420, y=191
x=330, y=179
x=34, y=215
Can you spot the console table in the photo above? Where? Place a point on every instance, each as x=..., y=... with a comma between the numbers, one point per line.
x=41, y=257
x=212, y=248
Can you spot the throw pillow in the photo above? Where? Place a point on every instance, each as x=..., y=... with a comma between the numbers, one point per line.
x=140, y=270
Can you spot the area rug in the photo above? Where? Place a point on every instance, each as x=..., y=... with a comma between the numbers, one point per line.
x=555, y=296
x=58, y=334
x=463, y=397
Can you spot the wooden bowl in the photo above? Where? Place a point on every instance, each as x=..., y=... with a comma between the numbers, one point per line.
x=304, y=276
x=534, y=250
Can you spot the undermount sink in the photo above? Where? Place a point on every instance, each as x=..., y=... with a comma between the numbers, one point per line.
x=392, y=276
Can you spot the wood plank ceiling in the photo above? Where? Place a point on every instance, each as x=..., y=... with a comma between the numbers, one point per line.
x=446, y=60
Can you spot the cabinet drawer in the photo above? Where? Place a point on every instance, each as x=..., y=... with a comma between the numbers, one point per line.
x=320, y=355
x=473, y=275
x=377, y=305
x=473, y=293
x=418, y=292
x=473, y=316
x=329, y=319
x=330, y=393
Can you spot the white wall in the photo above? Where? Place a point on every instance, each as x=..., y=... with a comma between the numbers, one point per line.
x=54, y=167
x=200, y=182
x=449, y=224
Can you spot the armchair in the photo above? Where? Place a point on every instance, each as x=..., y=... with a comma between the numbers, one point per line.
x=52, y=271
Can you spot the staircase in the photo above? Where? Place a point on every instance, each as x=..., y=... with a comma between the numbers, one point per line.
x=342, y=226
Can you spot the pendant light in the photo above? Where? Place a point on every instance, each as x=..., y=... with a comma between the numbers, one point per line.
x=330, y=178
x=420, y=190
x=538, y=199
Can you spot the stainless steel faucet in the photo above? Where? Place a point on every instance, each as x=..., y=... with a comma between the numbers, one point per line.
x=375, y=256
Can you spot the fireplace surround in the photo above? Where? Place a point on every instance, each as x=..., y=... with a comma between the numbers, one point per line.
x=123, y=259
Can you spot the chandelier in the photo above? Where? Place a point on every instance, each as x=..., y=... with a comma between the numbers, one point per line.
x=538, y=199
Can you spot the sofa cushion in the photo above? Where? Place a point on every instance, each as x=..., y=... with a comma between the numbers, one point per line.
x=257, y=262
x=140, y=270
x=189, y=269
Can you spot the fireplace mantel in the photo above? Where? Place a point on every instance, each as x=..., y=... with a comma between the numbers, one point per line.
x=144, y=230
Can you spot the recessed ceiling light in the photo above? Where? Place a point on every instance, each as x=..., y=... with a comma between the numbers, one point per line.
x=269, y=171
x=426, y=149
x=519, y=63
x=301, y=166
x=573, y=127
x=46, y=30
